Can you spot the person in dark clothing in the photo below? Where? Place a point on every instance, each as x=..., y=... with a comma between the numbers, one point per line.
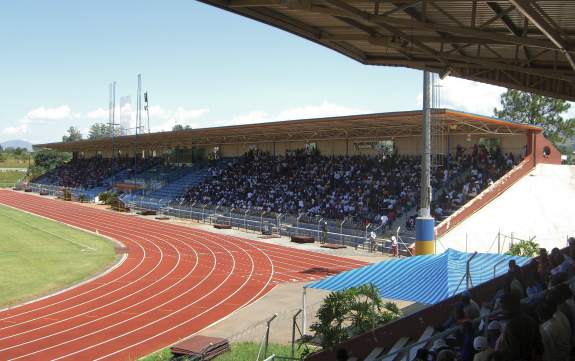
x=467, y=350
x=342, y=355
x=520, y=339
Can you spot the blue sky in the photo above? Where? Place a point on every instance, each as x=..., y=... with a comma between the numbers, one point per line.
x=202, y=66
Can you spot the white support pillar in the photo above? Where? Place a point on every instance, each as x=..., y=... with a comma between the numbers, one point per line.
x=304, y=317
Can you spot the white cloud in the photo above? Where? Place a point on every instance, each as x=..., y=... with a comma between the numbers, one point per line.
x=180, y=115
x=98, y=114
x=325, y=109
x=256, y=116
x=571, y=112
x=17, y=130
x=467, y=95
x=43, y=114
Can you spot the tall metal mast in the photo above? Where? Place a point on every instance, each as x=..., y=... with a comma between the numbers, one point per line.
x=425, y=224
x=112, y=126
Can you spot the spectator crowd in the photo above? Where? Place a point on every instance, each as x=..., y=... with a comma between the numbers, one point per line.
x=480, y=167
x=85, y=173
x=365, y=189
x=531, y=317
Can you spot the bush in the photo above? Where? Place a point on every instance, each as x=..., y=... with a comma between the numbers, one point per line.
x=351, y=312
x=524, y=248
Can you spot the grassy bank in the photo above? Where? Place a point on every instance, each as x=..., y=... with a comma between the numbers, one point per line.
x=8, y=179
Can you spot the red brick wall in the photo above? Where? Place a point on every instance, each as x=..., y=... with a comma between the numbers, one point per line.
x=540, y=143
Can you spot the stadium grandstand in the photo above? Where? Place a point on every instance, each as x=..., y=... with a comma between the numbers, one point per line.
x=344, y=179
x=355, y=174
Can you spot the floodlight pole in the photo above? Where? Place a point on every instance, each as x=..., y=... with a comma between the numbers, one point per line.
x=425, y=224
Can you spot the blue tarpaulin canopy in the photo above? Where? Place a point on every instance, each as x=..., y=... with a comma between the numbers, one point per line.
x=423, y=279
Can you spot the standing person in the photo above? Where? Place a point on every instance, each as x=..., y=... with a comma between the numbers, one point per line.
x=394, y=247
x=324, y=232
x=372, y=237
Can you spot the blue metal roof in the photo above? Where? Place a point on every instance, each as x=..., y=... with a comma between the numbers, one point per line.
x=424, y=279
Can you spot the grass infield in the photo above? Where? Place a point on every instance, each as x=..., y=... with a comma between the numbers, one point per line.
x=38, y=256
x=241, y=351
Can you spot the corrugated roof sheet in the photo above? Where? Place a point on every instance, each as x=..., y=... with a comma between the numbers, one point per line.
x=423, y=279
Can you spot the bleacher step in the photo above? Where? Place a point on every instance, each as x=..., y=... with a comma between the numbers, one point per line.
x=426, y=335
x=399, y=344
x=374, y=354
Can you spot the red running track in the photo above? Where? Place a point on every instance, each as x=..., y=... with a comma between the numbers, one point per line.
x=175, y=281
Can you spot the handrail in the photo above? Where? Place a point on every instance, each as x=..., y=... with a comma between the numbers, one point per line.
x=467, y=275
x=495, y=266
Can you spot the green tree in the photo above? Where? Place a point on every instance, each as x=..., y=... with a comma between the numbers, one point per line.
x=99, y=130
x=50, y=159
x=545, y=112
x=104, y=130
x=179, y=127
x=524, y=248
x=351, y=312
x=73, y=135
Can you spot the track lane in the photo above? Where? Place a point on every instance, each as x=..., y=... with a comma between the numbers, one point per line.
x=144, y=327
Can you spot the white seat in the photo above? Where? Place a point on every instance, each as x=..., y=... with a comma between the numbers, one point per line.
x=399, y=344
x=426, y=335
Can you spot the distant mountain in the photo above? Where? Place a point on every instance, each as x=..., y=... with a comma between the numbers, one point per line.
x=17, y=144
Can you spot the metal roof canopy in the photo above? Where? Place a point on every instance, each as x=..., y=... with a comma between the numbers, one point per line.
x=353, y=127
x=521, y=44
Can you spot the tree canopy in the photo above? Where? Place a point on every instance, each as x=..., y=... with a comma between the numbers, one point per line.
x=547, y=113
x=103, y=130
x=179, y=127
x=50, y=159
x=524, y=248
x=73, y=135
x=351, y=312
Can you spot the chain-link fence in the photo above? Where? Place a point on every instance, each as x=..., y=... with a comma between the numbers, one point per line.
x=269, y=223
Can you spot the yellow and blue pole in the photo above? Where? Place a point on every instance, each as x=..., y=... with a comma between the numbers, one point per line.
x=425, y=224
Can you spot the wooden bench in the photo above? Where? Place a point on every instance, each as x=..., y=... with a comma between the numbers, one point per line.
x=147, y=213
x=332, y=246
x=222, y=226
x=302, y=239
x=162, y=218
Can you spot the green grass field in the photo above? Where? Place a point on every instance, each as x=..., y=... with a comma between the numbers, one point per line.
x=8, y=179
x=241, y=351
x=38, y=256
x=10, y=162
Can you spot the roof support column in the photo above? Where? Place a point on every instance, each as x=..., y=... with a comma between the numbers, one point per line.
x=425, y=224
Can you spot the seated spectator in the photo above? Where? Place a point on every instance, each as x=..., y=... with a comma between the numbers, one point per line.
x=423, y=355
x=470, y=307
x=468, y=337
x=446, y=355
x=493, y=333
x=520, y=338
x=555, y=331
x=560, y=263
x=482, y=348
x=543, y=265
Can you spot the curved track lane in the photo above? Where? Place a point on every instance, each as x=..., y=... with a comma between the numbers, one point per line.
x=174, y=282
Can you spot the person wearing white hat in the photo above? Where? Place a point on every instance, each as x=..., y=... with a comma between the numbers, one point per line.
x=481, y=345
